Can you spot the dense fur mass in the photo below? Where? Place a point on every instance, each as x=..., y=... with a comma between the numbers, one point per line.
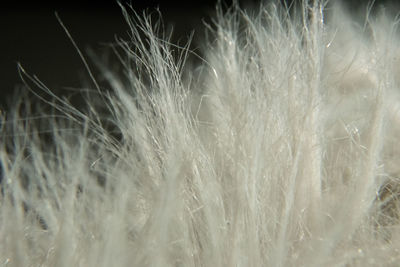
x=280, y=149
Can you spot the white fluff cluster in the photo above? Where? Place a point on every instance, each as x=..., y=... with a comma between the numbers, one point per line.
x=280, y=149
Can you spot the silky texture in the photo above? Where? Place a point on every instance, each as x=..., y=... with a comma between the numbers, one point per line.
x=278, y=147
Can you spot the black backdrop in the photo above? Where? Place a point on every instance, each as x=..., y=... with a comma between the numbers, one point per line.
x=31, y=35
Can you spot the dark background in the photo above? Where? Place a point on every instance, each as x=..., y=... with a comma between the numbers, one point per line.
x=32, y=36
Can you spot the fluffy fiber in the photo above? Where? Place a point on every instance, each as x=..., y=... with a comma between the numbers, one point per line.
x=281, y=148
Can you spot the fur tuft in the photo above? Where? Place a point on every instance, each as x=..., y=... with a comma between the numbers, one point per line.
x=280, y=149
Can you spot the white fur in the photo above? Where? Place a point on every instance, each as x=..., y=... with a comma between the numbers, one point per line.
x=281, y=149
